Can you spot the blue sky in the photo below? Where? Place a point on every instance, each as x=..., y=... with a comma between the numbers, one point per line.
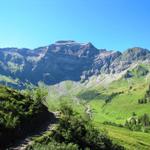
x=110, y=24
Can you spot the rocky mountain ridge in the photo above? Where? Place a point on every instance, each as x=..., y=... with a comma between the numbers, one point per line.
x=66, y=60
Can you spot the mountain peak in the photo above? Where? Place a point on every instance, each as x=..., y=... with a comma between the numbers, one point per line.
x=73, y=48
x=64, y=41
x=68, y=42
x=136, y=53
x=137, y=50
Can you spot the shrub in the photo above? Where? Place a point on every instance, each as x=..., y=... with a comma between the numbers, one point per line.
x=75, y=130
x=141, y=123
x=19, y=114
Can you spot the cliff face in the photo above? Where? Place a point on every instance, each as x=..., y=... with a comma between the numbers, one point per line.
x=66, y=60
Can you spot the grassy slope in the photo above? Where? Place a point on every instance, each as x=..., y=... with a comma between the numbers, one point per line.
x=131, y=140
x=9, y=81
x=121, y=106
x=118, y=110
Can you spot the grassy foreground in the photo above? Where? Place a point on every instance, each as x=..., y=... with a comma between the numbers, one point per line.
x=131, y=140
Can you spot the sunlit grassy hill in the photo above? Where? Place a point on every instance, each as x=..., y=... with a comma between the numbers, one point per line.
x=114, y=101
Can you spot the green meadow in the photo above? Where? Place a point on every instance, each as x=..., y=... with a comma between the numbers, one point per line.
x=122, y=101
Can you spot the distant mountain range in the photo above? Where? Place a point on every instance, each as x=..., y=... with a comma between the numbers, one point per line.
x=65, y=60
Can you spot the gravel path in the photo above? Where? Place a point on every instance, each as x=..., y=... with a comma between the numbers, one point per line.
x=25, y=142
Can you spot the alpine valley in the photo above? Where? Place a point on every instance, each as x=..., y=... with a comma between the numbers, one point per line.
x=110, y=88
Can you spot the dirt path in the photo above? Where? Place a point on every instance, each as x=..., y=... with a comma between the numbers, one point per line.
x=88, y=111
x=23, y=143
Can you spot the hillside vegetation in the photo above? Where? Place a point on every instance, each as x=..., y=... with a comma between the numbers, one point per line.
x=100, y=113
x=113, y=104
x=20, y=114
x=73, y=132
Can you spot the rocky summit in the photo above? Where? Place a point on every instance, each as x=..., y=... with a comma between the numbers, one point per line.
x=66, y=60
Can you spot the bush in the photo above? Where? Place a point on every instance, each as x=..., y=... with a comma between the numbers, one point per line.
x=146, y=97
x=78, y=131
x=112, y=123
x=20, y=114
x=53, y=146
x=141, y=123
